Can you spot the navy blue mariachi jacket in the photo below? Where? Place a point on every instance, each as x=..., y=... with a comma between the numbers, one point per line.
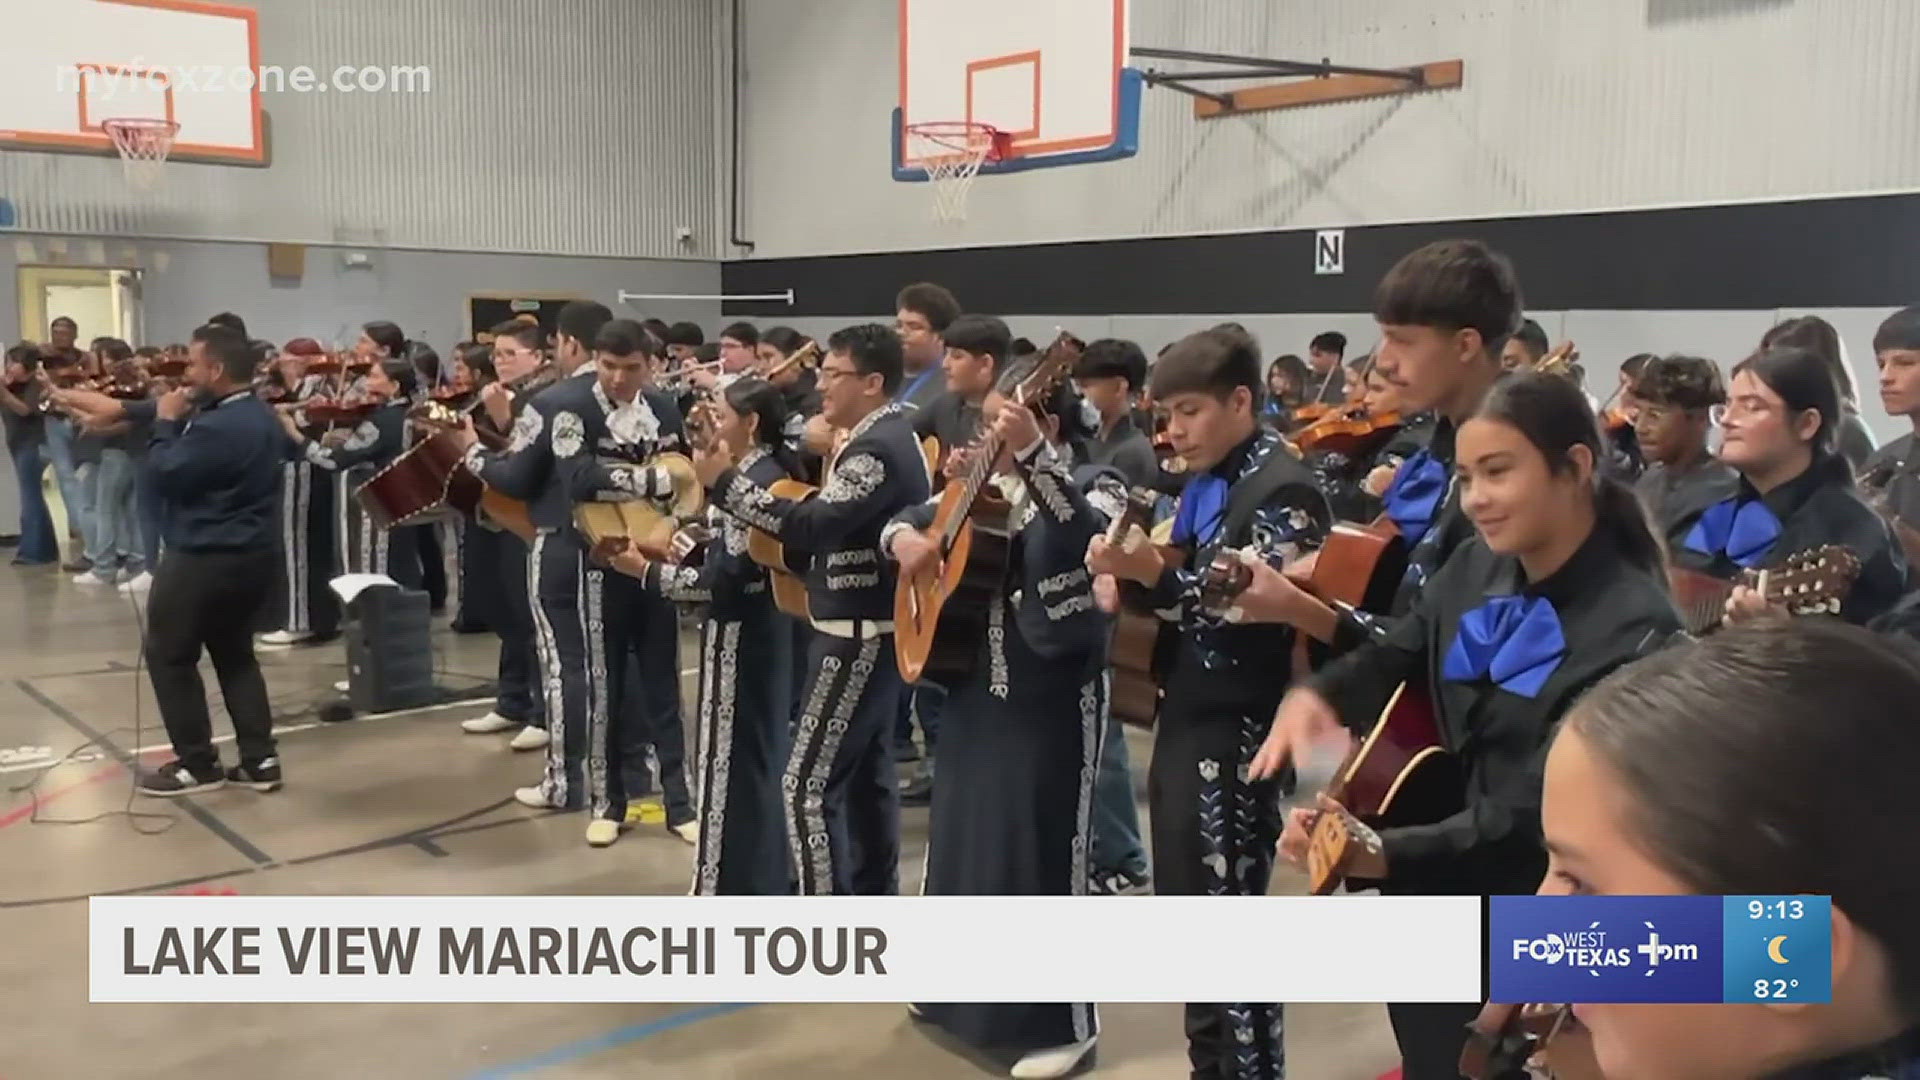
x=1818, y=508
x=573, y=444
x=728, y=580
x=370, y=446
x=1504, y=658
x=219, y=472
x=1219, y=668
x=1056, y=514
x=879, y=472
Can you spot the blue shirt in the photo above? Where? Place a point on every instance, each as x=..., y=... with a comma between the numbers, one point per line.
x=219, y=472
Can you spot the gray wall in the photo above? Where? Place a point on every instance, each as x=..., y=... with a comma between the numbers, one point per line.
x=613, y=107
x=1569, y=105
x=1604, y=337
x=425, y=292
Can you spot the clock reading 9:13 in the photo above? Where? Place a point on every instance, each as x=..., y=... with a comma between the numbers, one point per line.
x=1776, y=909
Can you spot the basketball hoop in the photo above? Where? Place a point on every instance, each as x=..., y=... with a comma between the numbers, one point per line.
x=952, y=152
x=144, y=145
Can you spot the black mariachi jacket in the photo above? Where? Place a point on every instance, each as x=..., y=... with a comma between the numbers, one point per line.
x=1607, y=611
x=1820, y=507
x=1049, y=587
x=879, y=472
x=374, y=443
x=573, y=444
x=1221, y=668
x=728, y=580
x=1342, y=477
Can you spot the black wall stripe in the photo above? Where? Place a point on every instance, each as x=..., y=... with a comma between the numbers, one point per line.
x=1848, y=252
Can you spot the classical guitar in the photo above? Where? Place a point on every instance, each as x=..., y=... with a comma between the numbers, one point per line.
x=1811, y=582
x=940, y=613
x=653, y=521
x=1134, y=685
x=1400, y=774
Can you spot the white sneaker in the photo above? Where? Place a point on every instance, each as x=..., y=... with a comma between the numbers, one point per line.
x=284, y=638
x=88, y=577
x=531, y=737
x=533, y=798
x=686, y=830
x=138, y=583
x=491, y=724
x=1051, y=1063
x=342, y=686
x=602, y=833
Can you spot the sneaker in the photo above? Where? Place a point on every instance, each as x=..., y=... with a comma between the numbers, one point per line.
x=491, y=724
x=342, y=686
x=138, y=583
x=1127, y=882
x=283, y=638
x=533, y=798
x=602, y=833
x=174, y=779
x=686, y=830
x=77, y=566
x=262, y=775
x=1053, y=1062
x=531, y=737
x=90, y=578
x=917, y=790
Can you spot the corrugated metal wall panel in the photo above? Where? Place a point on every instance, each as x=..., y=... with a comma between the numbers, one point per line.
x=611, y=104
x=1601, y=104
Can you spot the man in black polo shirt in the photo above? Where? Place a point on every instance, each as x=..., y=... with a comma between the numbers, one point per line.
x=219, y=471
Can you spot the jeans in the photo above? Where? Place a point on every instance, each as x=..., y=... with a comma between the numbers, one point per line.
x=1116, y=817
x=117, y=539
x=38, y=544
x=76, y=491
x=148, y=506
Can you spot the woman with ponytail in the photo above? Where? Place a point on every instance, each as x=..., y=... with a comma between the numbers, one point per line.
x=1563, y=583
x=745, y=666
x=1778, y=431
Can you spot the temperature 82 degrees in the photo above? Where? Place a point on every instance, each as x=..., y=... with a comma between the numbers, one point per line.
x=1777, y=949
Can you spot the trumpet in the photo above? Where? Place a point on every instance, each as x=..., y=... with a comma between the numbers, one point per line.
x=678, y=381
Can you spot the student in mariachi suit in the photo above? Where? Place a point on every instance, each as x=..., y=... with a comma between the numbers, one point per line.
x=1213, y=830
x=307, y=517
x=1892, y=475
x=1564, y=583
x=1012, y=815
x=745, y=655
x=843, y=811
x=353, y=457
x=1677, y=396
x=1796, y=491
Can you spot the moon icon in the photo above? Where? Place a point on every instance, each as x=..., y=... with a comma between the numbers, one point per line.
x=1773, y=950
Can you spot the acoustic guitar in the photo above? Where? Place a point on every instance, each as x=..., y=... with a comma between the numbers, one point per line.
x=652, y=522
x=1401, y=774
x=1811, y=582
x=940, y=613
x=1134, y=684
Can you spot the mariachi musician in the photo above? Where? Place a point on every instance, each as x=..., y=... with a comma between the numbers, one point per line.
x=308, y=609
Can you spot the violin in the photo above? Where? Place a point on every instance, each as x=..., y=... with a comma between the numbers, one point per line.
x=336, y=412
x=1351, y=431
x=1541, y=1040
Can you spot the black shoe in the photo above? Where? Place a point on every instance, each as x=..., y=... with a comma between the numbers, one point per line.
x=1119, y=883
x=263, y=775
x=917, y=790
x=906, y=751
x=173, y=779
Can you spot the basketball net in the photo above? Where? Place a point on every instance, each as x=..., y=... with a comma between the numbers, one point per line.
x=144, y=146
x=952, y=154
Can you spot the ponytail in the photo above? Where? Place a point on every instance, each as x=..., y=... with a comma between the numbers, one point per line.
x=1619, y=511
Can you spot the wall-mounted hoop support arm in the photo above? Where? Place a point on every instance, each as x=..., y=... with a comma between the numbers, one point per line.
x=1319, y=83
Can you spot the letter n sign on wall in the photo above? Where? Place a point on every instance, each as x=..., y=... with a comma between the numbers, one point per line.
x=1330, y=251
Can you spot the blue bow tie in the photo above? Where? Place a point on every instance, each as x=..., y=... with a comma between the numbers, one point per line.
x=1414, y=498
x=1202, y=505
x=1740, y=530
x=1515, y=641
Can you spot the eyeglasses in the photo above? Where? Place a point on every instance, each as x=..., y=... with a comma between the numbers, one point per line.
x=834, y=374
x=1748, y=407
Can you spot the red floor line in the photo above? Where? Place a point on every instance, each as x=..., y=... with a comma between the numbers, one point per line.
x=25, y=811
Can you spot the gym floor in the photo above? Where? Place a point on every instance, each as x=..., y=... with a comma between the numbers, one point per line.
x=404, y=804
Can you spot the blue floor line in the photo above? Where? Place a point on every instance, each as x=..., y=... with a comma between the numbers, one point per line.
x=587, y=1047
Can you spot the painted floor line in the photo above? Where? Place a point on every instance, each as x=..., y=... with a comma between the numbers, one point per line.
x=221, y=740
x=632, y=1033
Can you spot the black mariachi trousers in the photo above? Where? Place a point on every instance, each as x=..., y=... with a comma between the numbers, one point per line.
x=503, y=597
x=1214, y=835
x=842, y=801
x=578, y=631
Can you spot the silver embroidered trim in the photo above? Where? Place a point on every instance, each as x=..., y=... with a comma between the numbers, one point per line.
x=569, y=434
x=525, y=430
x=553, y=782
x=853, y=557
x=717, y=754
x=806, y=814
x=1093, y=732
x=750, y=503
x=1051, y=488
x=854, y=478
x=363, y=436
x=891, y=408
x=997, y=651
x=682, y=584
x=634, y=423
x=599, y=754
x=1071, y=605
x=1059, y=583
x=852, y=581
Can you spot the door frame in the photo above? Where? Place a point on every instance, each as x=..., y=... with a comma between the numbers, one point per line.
x=31, y=278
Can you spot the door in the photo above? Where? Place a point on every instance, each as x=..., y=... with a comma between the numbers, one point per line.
x=103, y=302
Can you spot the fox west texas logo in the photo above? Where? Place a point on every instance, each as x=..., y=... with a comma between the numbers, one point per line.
x=1593, y=949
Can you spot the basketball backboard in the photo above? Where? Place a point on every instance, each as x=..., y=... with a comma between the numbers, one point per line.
x=67, y=65
x=1052, y=74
